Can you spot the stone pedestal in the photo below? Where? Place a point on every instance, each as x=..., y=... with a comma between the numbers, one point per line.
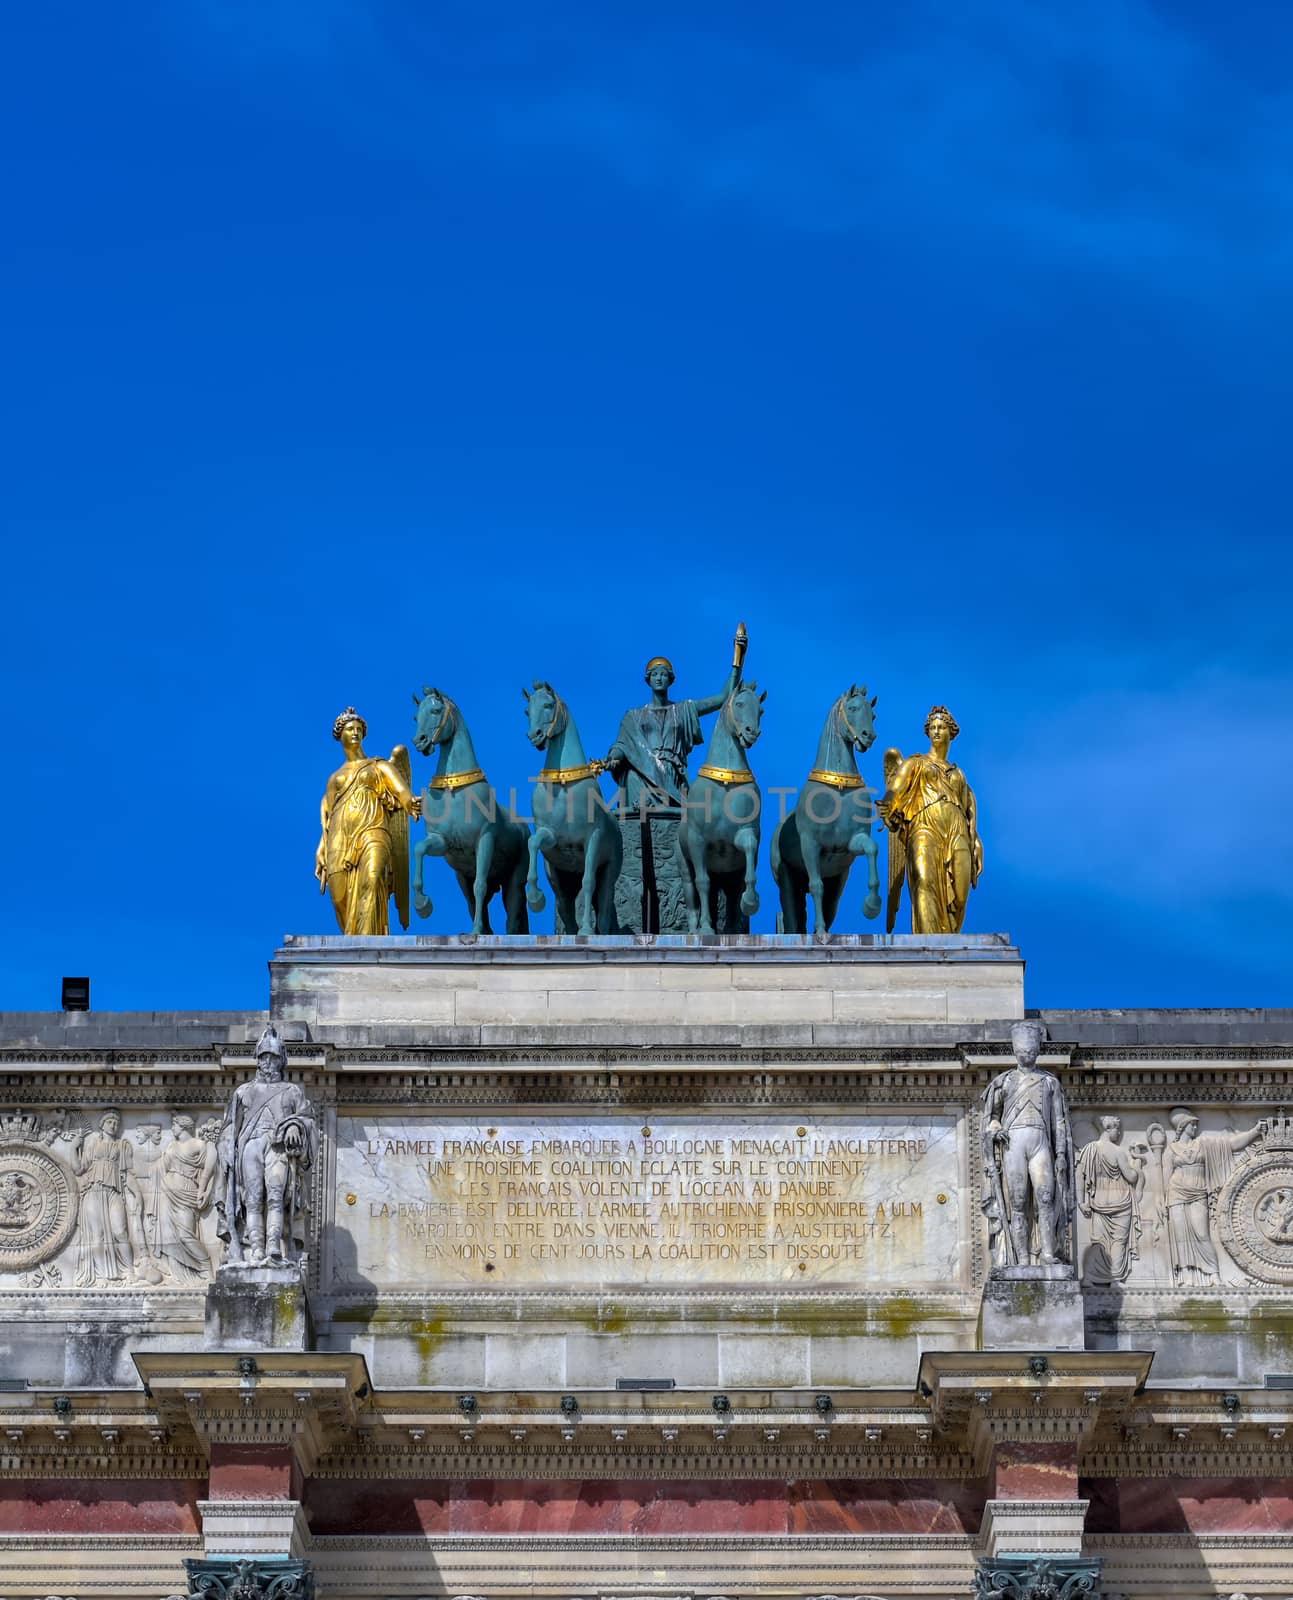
x=1032, y=1308
x=258, y=1308
x=501, y=989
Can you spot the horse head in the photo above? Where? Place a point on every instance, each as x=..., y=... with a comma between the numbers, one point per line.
x=744, y=713
x=855, y=717
x=546, y=713
x=437, y=717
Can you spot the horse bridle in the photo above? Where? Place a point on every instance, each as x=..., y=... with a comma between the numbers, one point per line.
x=730, y=720
x=559, y=709
x=448, y=720
x=854, y=736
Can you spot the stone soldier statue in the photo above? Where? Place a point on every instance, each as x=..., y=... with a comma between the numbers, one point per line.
x=1028, y=1158
x=267, y=1143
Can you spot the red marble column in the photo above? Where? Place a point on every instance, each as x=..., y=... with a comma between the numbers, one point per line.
x=1031, y=1470
x=253, y=1472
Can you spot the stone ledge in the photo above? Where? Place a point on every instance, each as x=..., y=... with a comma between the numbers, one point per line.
x=550, y=989
x=702, y=949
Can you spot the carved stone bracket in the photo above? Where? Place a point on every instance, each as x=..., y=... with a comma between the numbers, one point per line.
x=303, y=1401
x=989, y=1397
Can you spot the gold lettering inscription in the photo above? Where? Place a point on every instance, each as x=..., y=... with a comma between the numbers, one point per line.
x=687, y=1202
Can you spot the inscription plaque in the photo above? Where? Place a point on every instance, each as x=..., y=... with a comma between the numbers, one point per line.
x=667, y=1202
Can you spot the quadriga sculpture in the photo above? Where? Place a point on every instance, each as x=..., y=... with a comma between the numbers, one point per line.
x=718, y=835
x=579, y=838
x=480, y=839
x=815, y=846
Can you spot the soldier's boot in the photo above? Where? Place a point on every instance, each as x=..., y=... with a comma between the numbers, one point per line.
x=1019, y=1237
x=256, y=1236
x=274, y=1228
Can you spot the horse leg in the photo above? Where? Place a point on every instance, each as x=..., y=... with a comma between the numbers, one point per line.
x=862, y=844
x=700, y=867
x=518, y=916
x=834, y=889
x=778, y=867
x=564, y=887
x=480, y=888
x=683, y=858
x=593, y=854
x=747, y=840
x=612, y=860
x=540, y=839
x=432, y=845
x=813, y=867
x=464, y=883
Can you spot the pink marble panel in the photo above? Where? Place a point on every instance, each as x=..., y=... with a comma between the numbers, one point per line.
x=606, y=1507
x=1035, y=1471
x=72, y=1505
x=1189, y=1505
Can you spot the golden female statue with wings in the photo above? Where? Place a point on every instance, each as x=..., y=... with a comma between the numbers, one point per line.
x=933, y=831
x=363, y=854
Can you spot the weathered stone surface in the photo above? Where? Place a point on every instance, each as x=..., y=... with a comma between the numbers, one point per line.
x=258, y=1308
x=1026, y=1310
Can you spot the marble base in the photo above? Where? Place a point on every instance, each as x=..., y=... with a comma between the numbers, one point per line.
x=258, y=1308
x=666, y=989
x=1032, y=1312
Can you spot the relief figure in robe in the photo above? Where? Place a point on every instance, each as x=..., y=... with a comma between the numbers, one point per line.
x=1110, y=1181
x=363, y=854
x=186, y=1176
x=105, y=1172
x=1195, y=1165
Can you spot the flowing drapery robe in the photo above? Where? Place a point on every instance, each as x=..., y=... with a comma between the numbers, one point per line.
x=357, y=852
x=932, y=809
x=651, y=750
x=103, y=1234
x=1107, y=1198
x=1196, y=1169
x=185, y=1174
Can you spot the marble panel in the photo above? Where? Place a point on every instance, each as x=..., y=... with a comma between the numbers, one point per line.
x=601, y=1507
x=867, y=1201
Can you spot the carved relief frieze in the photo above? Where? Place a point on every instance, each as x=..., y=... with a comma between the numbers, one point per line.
x=38, y=1195
x=91, y=1200
x=1185, y=1200
x=1254, y=1207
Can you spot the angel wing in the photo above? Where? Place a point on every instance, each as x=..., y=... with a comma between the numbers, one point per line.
x=400, y=837
x=897, y=850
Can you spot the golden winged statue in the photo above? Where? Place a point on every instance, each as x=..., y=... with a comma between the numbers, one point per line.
x=934, y=843
x=363, y=854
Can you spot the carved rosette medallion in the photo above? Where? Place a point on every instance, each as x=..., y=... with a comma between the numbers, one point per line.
x=1255, y=1207
x=38, y=1202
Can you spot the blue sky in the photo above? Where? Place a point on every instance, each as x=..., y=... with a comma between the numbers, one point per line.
x=353, y=346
